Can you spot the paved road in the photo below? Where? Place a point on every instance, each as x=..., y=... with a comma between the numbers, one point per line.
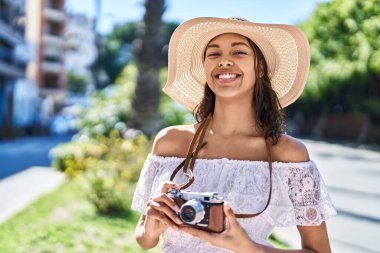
x=19, y=154
x=353, y=178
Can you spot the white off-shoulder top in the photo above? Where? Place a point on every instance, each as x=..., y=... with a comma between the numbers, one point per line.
x=299, y=195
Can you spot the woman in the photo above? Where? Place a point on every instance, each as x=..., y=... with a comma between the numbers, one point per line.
x=237, y=75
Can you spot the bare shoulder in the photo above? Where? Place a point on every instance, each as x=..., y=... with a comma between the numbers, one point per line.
x=289, y=149
x=173, y=140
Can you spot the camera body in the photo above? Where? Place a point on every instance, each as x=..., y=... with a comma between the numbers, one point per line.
x=203, y=210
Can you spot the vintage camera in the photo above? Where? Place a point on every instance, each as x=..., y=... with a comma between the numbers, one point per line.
x=203, y=210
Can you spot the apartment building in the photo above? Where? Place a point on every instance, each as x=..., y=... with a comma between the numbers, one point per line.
x=45, y=25
x=18, y=96
x=81, y=51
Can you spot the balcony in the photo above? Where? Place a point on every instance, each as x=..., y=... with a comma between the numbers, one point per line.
x=53, y=49
x=11, y=71
x=52, y=53
x=54, y=15
x=8, y=34
x=5, y=14
x=5, y=54
x=54, y=4
x=52, y=67
x=53, y=40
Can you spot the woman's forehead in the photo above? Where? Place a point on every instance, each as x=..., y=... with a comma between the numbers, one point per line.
x=229, y=37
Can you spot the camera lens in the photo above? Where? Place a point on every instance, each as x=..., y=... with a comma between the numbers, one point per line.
x=192, y=212
x=188, y=214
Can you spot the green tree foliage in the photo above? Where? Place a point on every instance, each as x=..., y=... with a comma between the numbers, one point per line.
x=77, y=83
x=117, y=47
x=344, y=38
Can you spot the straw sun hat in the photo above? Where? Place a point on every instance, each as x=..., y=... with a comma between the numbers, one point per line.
x=285, y=48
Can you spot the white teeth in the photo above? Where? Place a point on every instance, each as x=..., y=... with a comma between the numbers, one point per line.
x=227, y=76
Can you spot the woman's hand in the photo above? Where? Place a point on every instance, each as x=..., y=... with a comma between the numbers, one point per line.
x=233, y=238
x=162, y=212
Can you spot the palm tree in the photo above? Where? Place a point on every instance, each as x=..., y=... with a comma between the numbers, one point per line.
x=148, y=48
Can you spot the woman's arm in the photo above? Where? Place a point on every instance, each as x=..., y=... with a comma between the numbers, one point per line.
x=161, y=214
x=146, y=240
x=161, y=210
x=314, y=238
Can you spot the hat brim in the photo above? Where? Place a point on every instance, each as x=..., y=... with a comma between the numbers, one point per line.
x=285, y=48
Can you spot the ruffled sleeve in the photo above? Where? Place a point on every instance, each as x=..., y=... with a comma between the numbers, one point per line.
x=309, y=196
x=144, y=189
x=299, y=196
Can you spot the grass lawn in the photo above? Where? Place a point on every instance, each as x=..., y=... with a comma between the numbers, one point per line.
x=64, y=221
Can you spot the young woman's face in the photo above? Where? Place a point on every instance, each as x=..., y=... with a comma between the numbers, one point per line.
x=229, y=66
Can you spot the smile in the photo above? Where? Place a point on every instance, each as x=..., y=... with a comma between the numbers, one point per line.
x=227, y=76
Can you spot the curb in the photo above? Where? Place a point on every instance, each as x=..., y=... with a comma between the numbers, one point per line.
x=21, y=189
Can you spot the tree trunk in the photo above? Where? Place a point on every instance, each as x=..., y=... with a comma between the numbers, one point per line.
x=148, y=47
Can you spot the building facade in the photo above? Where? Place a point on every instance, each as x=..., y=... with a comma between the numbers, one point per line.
x=32, y=68
x=45, y=25
x=81, y=51
x=14, y=55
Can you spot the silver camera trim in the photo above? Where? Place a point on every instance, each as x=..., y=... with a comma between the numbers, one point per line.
x=209, y=197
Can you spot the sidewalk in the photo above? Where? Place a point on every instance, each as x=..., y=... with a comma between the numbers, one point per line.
x=352, y=176
x=21, y=189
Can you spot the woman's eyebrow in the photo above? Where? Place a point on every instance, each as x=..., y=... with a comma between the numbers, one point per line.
x=233, y=44
x=212, y=45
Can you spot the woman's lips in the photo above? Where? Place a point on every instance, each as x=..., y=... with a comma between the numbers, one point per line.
x=227, y=77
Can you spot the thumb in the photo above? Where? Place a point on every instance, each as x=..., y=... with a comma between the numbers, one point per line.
x=230, y=214
x=168, y=185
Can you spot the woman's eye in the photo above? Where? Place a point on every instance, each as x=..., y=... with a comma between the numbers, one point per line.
x=239, y=53
x=212, y=54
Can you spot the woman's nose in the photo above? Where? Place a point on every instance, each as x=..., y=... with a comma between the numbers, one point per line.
x=225, y=63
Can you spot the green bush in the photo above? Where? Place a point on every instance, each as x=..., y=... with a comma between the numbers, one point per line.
x=107, y=166
x=109, y=107
x=107, y=187
x=75, y=157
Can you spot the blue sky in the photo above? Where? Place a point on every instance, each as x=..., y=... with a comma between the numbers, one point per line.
x=264, y=11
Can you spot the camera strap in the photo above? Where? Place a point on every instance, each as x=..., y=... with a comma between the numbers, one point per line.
x=196, y=145
x=192, y=154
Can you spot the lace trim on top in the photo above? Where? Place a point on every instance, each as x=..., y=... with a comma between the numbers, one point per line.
x=299, y=195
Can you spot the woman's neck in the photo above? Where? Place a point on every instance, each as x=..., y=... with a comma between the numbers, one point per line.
x=234, y=117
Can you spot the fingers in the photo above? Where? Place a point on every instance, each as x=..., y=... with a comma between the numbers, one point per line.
x=154, y=214
x=168, y=185
x=165, y=220
x=163, y=197
x=230, y=215
x=164, y=210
